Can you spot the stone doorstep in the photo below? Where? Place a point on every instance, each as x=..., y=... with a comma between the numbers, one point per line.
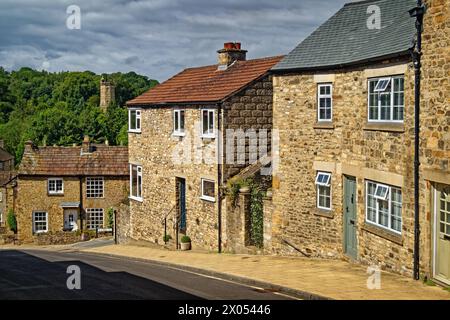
x=299, y=294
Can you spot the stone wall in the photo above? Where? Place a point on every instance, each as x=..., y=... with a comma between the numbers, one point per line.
x=435, y=114
x=249, y=109
x=123, y=226
x=349, y=146
x=32, y=196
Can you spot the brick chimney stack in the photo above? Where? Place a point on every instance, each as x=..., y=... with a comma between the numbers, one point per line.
x=230, y=53
x=29, y=147
x=86, y=146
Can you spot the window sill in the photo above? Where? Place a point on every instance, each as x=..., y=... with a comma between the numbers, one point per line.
x=136, y=199
x=324, y=125
x=178, y=134
x=323, y=213
x=208, y=137
x=208, y=199
x=134, y=131
x=383, y=233
x=384, y=126
x=55, y=194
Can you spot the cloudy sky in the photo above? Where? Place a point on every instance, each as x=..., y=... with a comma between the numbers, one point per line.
x=156, y=38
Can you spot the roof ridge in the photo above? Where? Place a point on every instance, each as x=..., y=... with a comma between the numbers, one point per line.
x=360, y=2
x=215, y=65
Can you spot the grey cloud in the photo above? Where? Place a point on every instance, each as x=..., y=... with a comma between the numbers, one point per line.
x=154, y=37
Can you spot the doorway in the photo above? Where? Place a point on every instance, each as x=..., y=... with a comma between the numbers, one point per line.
x=70, y=219
x=350, y=217
x=441, y=232
x=181, y=204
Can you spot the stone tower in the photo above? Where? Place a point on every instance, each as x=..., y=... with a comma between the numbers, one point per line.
x=107, y=93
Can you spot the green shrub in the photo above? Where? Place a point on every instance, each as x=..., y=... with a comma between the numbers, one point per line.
x=110, y=218
x=167, y=238
x=185, y=239
x=11, y=220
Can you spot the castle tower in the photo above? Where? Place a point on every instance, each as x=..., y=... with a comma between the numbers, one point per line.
x=107, y=93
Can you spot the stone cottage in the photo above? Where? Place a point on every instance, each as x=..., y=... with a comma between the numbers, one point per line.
x=344, y=108
x=61, y=190
x=180, y=157
x=7, y=183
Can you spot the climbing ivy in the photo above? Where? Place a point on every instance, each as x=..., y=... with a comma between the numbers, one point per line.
x=256, y=216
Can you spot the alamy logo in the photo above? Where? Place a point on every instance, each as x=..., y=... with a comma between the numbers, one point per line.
x=74, y=280
x=374, y=20
x=73, y=21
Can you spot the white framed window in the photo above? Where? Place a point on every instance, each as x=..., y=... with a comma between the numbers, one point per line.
x=95, y=218
x=325, y=102
x=40, y=221
x=55, y=186
x=384, y=206
x=134, y=120
x=136, y=182
x=178, y=122
x=94, y=187
x=386, y=99
x=323, y=186
x=208, y=122
x=208, y=190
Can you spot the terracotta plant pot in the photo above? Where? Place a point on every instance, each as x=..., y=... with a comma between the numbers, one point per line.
x=185, y=246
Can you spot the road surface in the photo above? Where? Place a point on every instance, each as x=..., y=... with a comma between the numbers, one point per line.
x=39, y=274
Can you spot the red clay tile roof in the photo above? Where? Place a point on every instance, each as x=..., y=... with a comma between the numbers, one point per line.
x=68, y=161
x=5, y=155
x=206, y=84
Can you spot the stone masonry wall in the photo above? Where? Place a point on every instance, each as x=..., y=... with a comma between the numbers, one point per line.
x=435, y=113
x=349, y=146
x=32, y=196
x=249, y=109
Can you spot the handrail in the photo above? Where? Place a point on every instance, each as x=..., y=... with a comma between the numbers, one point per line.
x=164, y=221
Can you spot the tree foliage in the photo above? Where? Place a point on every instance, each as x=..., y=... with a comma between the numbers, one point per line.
x=60, y=108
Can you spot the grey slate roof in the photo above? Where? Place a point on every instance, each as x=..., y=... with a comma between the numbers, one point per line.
x=345, y=38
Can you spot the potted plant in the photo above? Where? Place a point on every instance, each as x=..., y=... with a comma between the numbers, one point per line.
x=167, y=238
x=185, y=243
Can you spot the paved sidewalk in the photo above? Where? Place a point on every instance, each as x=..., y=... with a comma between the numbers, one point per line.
x=326, y=278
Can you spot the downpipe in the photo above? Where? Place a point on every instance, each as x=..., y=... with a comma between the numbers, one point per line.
x=418, y=12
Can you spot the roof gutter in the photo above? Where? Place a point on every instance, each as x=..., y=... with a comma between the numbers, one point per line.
x=343, y=65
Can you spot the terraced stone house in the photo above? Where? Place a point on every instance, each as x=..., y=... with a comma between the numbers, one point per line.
x=344, y=108
x=179, y=157
x=7, y=183
x=61, y=190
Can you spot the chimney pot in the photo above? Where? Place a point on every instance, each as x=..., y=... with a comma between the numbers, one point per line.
x=230, y=53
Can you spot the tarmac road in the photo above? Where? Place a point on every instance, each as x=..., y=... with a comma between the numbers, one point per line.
x=41, y=274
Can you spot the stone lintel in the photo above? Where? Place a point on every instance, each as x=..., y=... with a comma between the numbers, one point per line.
x=324, y=78
x=435, y=175
x=381, y=71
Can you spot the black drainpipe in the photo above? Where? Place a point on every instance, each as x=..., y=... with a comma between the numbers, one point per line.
x=219, y=178
x=81, y=203
x=417, y=12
